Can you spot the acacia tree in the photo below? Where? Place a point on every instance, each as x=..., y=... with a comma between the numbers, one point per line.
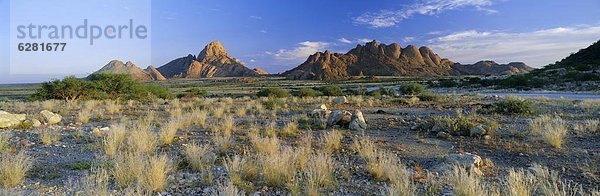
x=68, y=89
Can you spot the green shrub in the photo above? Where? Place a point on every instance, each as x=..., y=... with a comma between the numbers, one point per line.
x=448, y=83
x=429, y=96
x=375, y=93
x=68, y=89
x=193, y=92
x=99, y=86
x=331, y=90
x=412, y=89
x=458, y=126
x=273, y=103
x=513, y=105
x=116, y=86
x=273, y=92
x=155, y=92
x=307, y=92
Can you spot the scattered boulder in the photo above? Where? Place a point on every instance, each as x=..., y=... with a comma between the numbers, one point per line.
x=340, y=100
x=443, y=135
x=36, y=122
x=8, y=120
x=473, y=163
x=320, y=111
x=339, y=117
x=50, y=118
x=477, y=131
x=358, y=123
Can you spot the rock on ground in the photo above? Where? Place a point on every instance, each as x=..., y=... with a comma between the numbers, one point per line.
x=339, y=117
x=8, y=120
x=50, y=118
x=358, y=122
x=340, y=100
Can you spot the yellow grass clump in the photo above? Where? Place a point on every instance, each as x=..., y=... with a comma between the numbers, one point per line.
x=13, y=168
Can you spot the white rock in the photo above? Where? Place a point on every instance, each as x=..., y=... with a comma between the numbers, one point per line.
x=104, y=129
x=467, y=160
x=10, y=120
x=340, y=100
x=358, y=122
x=50, y=118
x=339, y=117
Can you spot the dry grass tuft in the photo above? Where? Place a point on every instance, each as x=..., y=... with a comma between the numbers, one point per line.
x=114, y=140
x=588, y=127
x=548, y=183
x=142, y=139
x=365, y=148
x=13, y=168
x=466, y=184
x=319, y=172
x=290, y=129
x=112, y=107
x=49, y=136
x=84, y=115
x=264, y=145
x=519, y=183
x=332, y=141
x=168, y=131
x=95, y=183
x=222, y=143
x=552, y=130
x=199, y=157
x=155, y=175
x=278, y=168
x=4, y=141
x=127, y=168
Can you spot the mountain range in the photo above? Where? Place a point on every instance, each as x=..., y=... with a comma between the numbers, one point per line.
x=375, y=59
x=371, y=59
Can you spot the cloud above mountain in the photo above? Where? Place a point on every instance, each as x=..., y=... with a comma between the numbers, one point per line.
x=536, y=48
x=389, y=18
x=303, y=50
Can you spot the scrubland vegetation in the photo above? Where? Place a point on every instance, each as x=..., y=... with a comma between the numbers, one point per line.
x=274, y=143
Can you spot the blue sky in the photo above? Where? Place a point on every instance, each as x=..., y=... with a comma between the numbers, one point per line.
x=278, y=35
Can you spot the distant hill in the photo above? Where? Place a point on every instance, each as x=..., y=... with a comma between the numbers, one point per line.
x=375, y=59
x=118, y=67
x=581, y=66
x=490, y=68
x=213, y=61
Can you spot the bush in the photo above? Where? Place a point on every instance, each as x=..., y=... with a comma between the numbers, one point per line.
x=273, y=104
x=307, y=92
x=155, y=91
x=68, y=89
x=448, y=83
x=273, y=92
x=116, y=86
x=412, y=89
x=429, y=96
x=513, y=105
x=99, y=86
x=331, y=90
x=193, y=92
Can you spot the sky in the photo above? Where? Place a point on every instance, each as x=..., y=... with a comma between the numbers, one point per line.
x=277, y=35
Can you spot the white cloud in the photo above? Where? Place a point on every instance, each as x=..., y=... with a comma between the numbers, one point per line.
x=364, y=40
x=301, y=52
x=535, y=48
x=408, y=39
x=263, y=31
x=388, y=18
x=344, y=40
x=252, y=60
x=256, y=17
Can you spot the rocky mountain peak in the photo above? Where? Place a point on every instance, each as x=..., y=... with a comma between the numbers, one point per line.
x=213, y=50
